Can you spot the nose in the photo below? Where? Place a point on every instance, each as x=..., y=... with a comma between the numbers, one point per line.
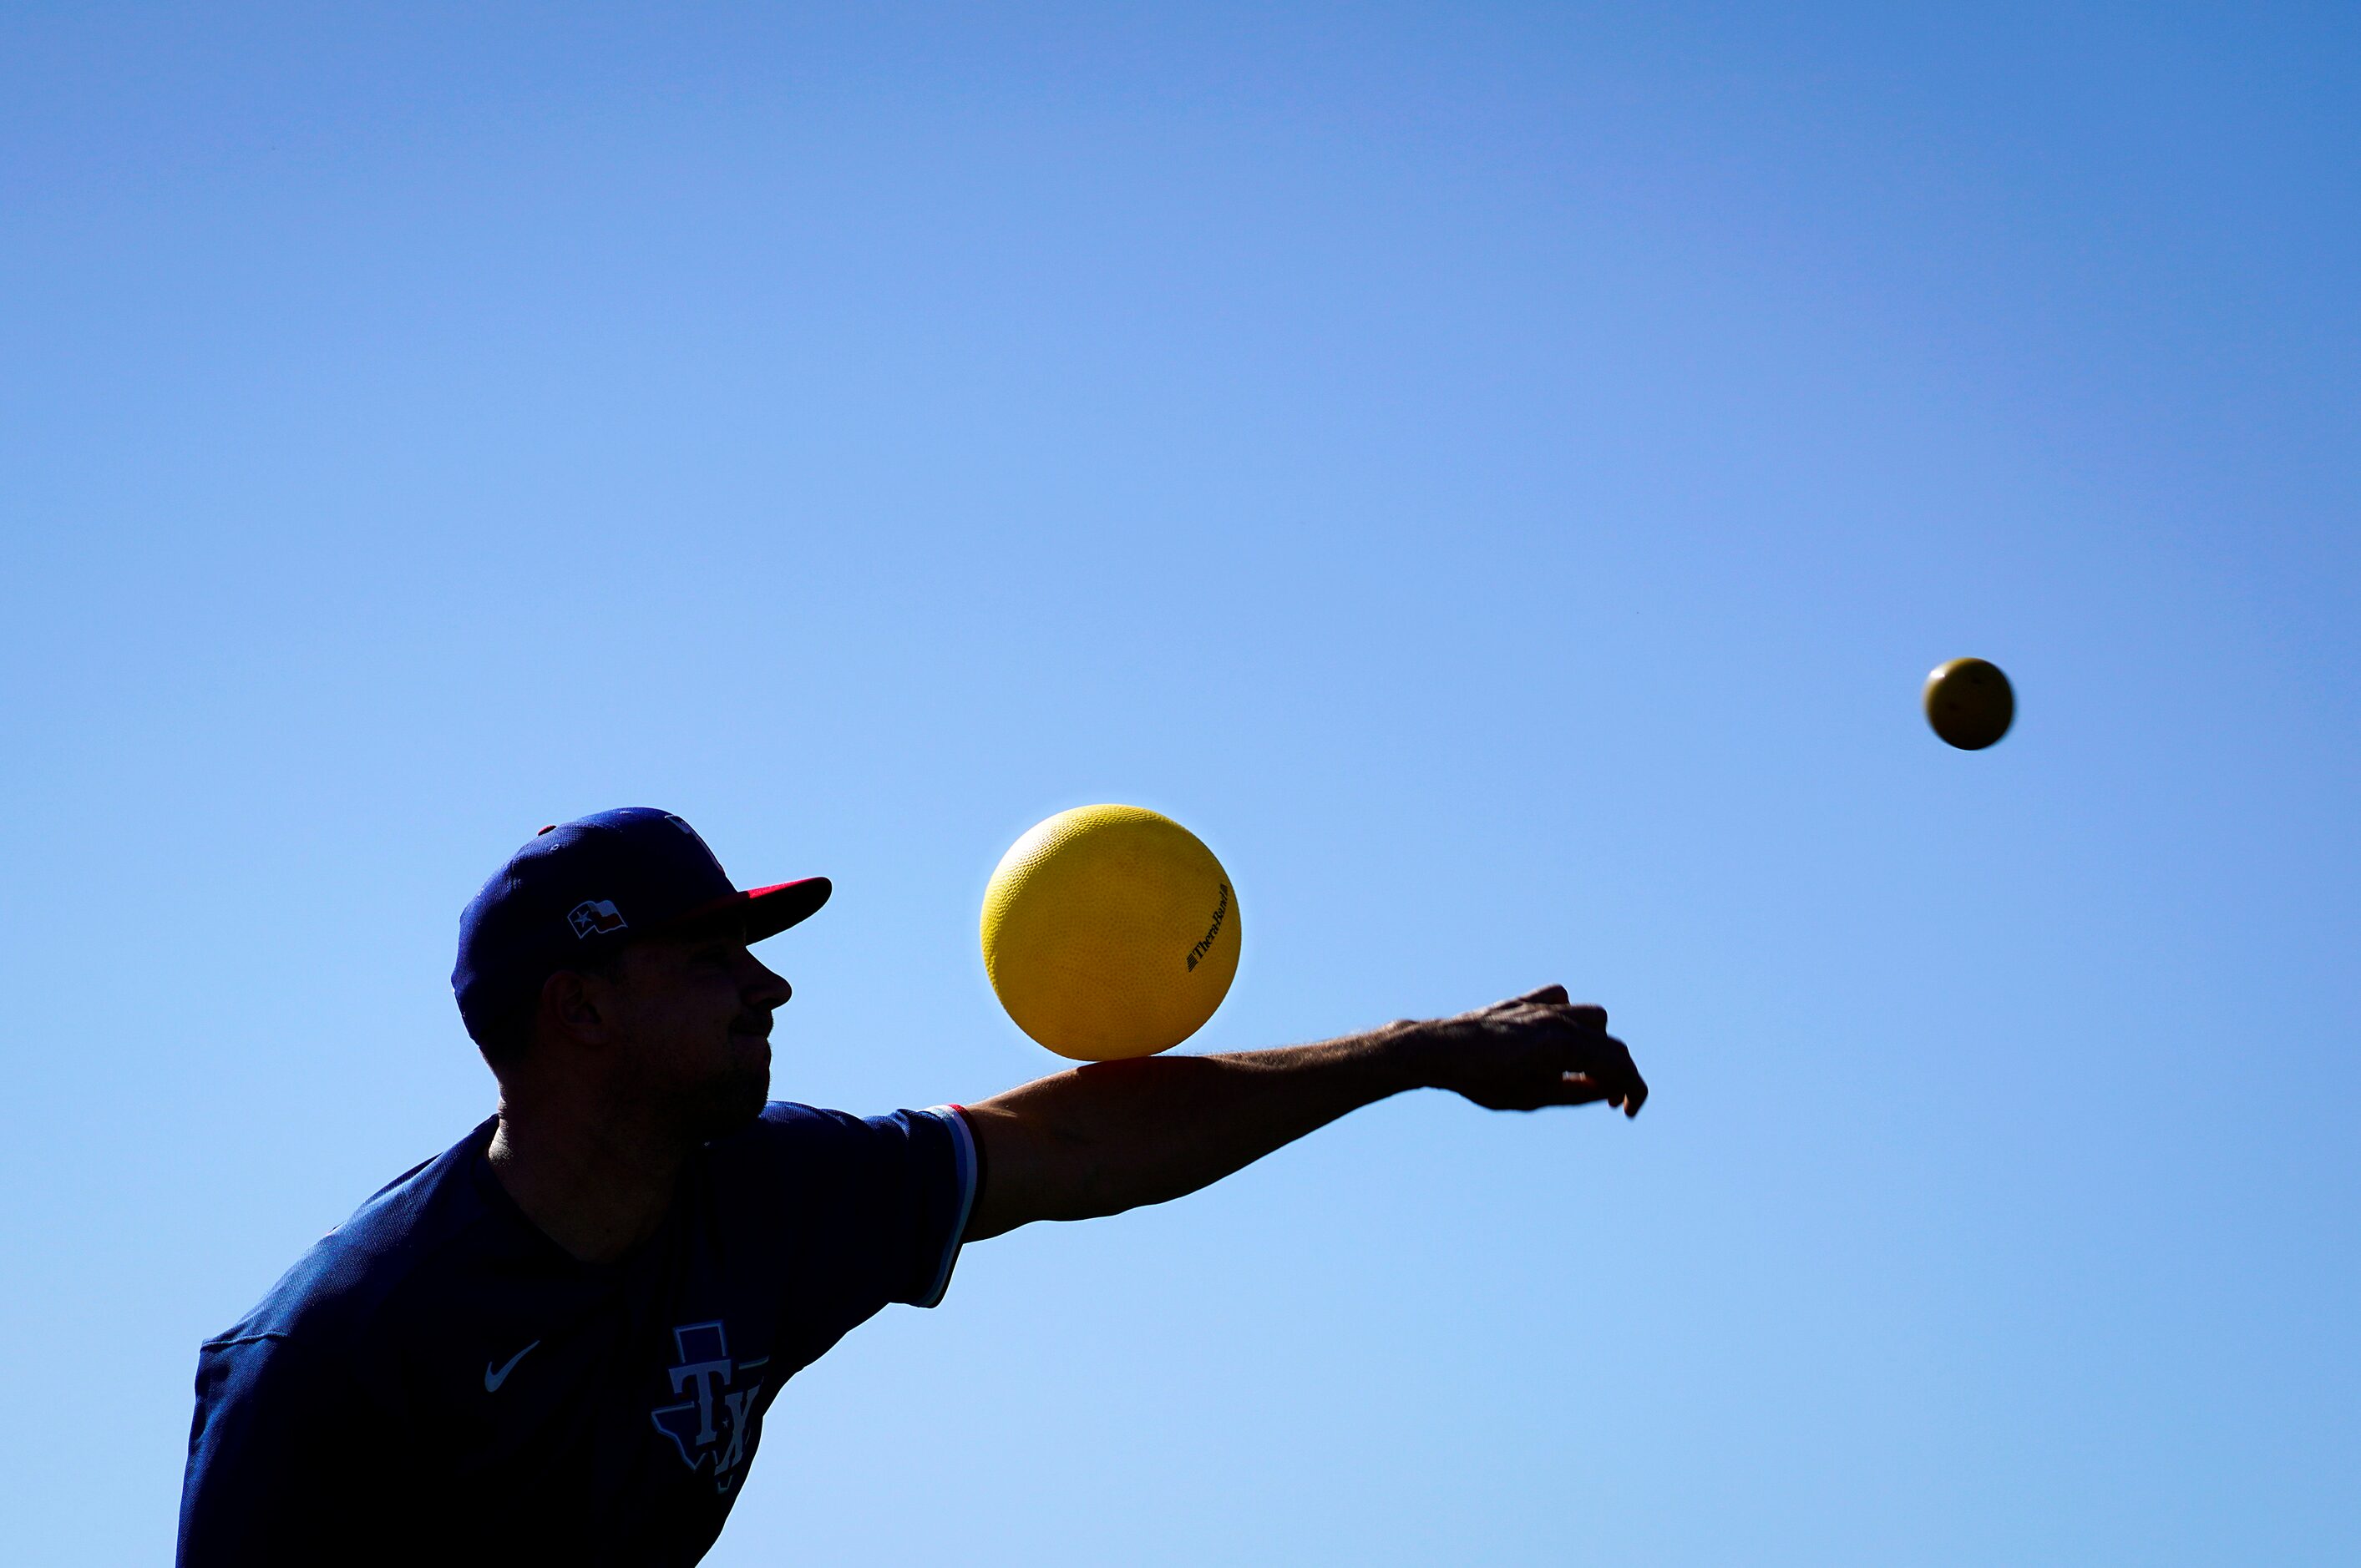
x=762, y=987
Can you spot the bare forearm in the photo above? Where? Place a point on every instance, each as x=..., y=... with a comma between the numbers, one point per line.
x=1113, y=1136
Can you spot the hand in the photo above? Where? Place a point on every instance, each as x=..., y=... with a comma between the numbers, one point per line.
x=1530, y=1051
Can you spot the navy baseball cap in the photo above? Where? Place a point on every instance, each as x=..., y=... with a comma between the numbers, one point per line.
x=583, y=889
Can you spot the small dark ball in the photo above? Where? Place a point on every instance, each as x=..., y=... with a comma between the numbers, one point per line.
x=1969, y=704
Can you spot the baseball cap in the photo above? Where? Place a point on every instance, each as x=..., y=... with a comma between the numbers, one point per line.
x=581, y=890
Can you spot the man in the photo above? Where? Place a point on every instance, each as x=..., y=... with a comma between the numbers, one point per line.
x=555, y=1342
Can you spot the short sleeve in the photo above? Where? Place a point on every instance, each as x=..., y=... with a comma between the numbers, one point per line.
x=881, y=1202
x=269, y=1451
x=942, y=1229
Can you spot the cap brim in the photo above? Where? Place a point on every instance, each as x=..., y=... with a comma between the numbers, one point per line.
x=771, y=910
x=763, y=911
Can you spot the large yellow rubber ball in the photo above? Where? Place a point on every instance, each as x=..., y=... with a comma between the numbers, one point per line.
x=1969, y=703
x=1110, y=931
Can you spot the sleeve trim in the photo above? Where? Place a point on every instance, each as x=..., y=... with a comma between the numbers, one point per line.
x=963, y=1157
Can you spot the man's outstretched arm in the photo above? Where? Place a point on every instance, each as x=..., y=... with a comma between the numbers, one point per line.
x=1113, y=1136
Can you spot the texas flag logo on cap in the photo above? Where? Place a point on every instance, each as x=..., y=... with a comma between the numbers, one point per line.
x=595, y=916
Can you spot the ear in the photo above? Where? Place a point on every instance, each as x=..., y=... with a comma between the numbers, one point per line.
x=569, y=1006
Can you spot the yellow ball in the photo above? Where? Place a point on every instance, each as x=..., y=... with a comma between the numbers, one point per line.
x=1968, y=703
x=1110, y=931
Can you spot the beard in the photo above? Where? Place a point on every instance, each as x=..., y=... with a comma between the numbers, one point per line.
x=724, y=1104
x=711, y=1099
x=739, y=1096
x=733, y=1097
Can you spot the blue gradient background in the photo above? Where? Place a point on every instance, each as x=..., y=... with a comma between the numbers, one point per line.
x=1500, y=474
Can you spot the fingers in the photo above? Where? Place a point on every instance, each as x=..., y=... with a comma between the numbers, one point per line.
x=1601, y=1067
x=1593, y=1065
x=1607, y=1066
x=1579, y=1088
x=1632, y=1089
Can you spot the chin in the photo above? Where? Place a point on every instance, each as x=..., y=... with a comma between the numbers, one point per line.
x=740, y=1098
x=729, y=1094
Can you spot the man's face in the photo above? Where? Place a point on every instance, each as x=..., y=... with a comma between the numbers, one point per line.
x=693, y=1019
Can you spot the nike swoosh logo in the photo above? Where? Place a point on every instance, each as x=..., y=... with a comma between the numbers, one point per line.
x=492, y=1380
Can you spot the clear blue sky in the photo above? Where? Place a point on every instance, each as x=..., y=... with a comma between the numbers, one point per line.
x=1498, y=474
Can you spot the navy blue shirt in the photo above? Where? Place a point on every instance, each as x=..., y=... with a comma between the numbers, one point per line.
x=439, y=1382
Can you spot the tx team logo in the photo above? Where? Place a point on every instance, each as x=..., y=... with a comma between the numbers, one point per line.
x=594, y=917
x=717, y=1421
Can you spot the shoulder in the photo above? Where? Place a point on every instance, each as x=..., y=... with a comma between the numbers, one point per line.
x=786, y=1119
x=793, y=1140
x=336, y=1290
x=808, y=1155
x=811, y=1134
